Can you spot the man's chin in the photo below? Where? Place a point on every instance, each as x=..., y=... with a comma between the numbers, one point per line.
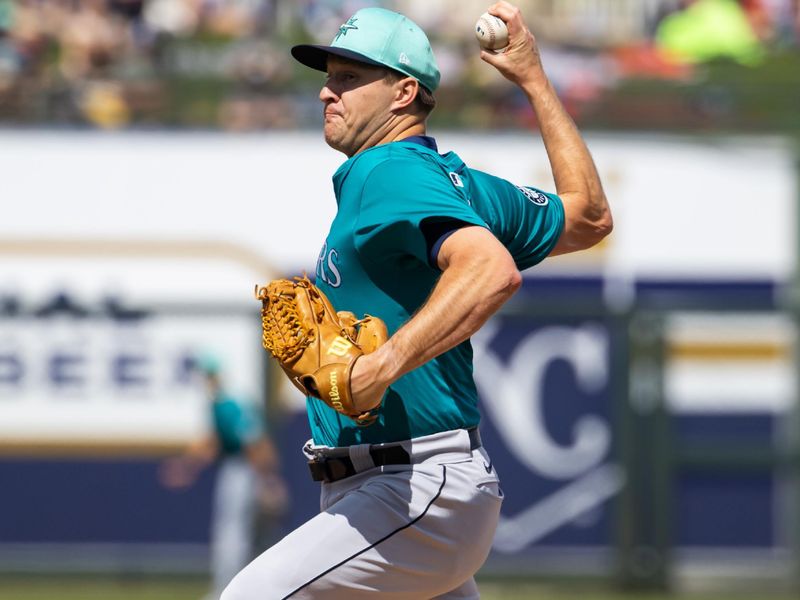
x=335, y=143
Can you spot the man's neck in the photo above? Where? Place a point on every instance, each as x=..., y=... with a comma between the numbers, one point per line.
x=418, y=129
x=399, y=132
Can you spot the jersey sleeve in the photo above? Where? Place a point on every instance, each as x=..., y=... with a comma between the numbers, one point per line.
x=543, y=219
x=526, y=220
x=402, y=201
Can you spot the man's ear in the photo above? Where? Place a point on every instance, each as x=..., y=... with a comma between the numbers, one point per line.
x=406, y=91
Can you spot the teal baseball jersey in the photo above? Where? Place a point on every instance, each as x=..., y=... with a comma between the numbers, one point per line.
x=236, y=424
x=396, y=203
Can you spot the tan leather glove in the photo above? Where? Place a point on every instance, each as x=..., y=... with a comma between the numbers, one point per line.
x=314, y=345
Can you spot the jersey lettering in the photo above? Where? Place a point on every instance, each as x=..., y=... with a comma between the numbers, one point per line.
x=332, y=257
x=327, y=269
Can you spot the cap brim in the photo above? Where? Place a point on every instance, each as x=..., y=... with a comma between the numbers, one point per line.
x=316, y=57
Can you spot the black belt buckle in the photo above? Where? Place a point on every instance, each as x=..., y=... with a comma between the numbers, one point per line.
x=330, y=469
x=474, y=438
x=317, y=468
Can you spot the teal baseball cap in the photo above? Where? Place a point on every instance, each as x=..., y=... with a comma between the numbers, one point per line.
x=380, y=37
x=207, y=362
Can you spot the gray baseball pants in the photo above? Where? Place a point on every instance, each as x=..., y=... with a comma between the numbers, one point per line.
x=416, y=531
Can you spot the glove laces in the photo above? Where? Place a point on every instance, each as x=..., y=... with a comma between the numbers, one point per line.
x=283, y=334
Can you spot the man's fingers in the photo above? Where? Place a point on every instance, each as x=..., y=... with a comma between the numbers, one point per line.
x=510, y=15
x=489, y=57
x=503, y=5
x=521, y=58
x=493, y=58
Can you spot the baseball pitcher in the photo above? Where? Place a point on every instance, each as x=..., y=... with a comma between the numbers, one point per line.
x=421, y=252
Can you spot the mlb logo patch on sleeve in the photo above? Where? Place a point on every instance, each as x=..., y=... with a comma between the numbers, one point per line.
x=534, y=196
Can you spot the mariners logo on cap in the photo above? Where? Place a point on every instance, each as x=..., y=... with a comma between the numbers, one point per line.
x=346, y=27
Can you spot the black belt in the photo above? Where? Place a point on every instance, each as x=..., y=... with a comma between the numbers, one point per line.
x=335, y=468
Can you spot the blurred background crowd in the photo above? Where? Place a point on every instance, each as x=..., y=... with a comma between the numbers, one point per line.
x=708, y=64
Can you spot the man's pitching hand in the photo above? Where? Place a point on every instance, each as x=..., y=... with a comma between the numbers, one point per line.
x=520, y=62
x=366, y=384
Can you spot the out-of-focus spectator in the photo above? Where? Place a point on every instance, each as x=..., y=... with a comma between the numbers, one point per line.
x=9, y=63
x=708, y=29
x=92, y=40
x=785, y=15
x=6, y=12
x=236, y=18
x=225, y=63
x=104, y=105
x=796, y=8
x=173, y=17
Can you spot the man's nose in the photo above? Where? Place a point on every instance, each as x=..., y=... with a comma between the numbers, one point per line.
x=326, y=94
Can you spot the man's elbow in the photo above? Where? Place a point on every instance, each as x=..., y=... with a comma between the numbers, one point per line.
x=587, y=222
x=515, y=281
x=603, y=227
x=497, y=277
x=598, y=223
x=509, y=280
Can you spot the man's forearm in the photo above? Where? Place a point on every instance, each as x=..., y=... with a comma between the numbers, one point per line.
x=587, y=216
x=573, y=169
x=478, y=276
x=461, y=302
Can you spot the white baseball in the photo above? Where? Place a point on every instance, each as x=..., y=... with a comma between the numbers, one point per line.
x=491, y=32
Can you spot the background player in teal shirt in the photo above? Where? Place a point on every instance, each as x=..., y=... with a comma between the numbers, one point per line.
x=410, y=503
x=248, y=489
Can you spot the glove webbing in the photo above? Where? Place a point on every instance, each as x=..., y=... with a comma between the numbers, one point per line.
x=279, y=313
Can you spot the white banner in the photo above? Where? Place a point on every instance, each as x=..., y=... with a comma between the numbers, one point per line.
x=68, y=378
x=682, y=206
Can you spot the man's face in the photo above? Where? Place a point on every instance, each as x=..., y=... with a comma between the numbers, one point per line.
x=357, y=101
